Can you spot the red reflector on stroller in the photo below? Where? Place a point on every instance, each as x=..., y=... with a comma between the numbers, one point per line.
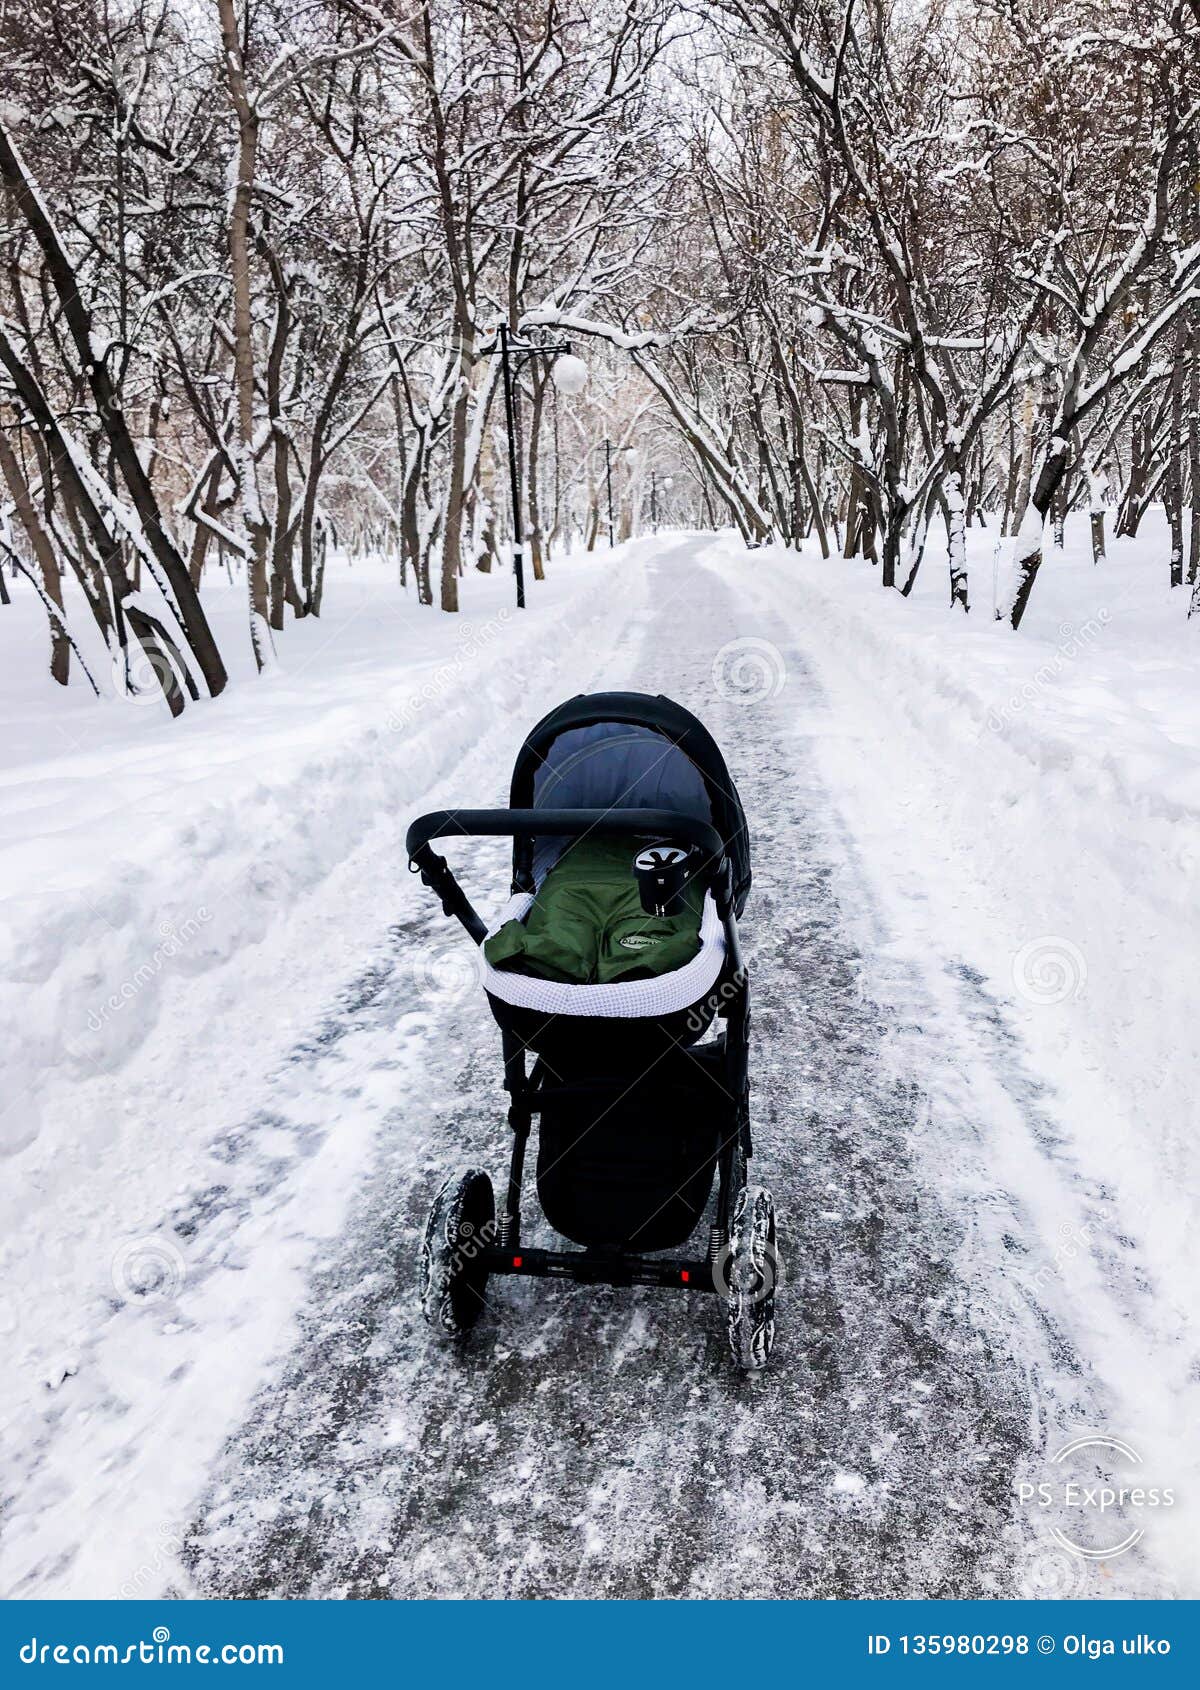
x=684, y=1275
x=517, y=1261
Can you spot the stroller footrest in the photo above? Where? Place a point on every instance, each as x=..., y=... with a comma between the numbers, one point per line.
x=587, y=1267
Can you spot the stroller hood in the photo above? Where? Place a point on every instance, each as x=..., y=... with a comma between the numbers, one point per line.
x=625, y=750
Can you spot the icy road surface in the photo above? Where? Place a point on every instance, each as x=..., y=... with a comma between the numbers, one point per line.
x=591, y=1442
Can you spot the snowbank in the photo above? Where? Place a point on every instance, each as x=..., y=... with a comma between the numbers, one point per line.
x=1029, y=808
x=180, y=902
x=136, y=853
x=1062, y=765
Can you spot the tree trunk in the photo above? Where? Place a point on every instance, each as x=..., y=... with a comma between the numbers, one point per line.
x=1030, y=545
x=871, y=522
x=1097, y=519
x=893, y=529
x=452, y=522
x=410, y=527
x=1193, y=345
x=814, y=501
x=1173, y=491
x=322, y=548
x=283, y=587
x=44, y=554
x=283, y=584
x=205, y=500
x=487, y=542
x=1140, y=447
x=107, y=401
x=1025, y=473
x=1010, y=480
x=96, y=532
x=856, y=496
x=956, y=537
x=253, y=517
x=533, y=493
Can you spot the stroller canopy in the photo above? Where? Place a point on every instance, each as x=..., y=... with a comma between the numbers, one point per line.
x=625, y=750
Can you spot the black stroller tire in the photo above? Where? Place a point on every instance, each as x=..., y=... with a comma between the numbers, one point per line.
x=750, y=1278
x=451, y=1277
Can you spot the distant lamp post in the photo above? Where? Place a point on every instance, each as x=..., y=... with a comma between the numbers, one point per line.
x=630, y=455
x=569, y=375
x=608, y=484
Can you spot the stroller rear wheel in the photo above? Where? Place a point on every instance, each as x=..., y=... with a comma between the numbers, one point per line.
x=750, y=1277
x=452, y=1278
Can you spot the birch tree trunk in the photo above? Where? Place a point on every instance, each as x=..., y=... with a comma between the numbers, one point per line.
x=956, y=530
x=1025, y=473
x=1096, y=486
x=453, y=523
x=253, y=516
x=1173, y=491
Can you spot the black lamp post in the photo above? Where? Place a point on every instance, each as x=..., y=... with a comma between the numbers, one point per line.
x=513, y=351
x=608, y=482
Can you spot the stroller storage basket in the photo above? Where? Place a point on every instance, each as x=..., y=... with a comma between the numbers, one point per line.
x=626, y=1161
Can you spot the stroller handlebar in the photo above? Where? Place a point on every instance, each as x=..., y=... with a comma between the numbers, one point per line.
x=662, y=825
x=570, y=824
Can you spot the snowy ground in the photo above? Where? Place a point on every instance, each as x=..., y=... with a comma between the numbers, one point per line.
x=244, y=1045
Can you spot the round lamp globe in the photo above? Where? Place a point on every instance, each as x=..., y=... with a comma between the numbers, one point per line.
x=569, y=374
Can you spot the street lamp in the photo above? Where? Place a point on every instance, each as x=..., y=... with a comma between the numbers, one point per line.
x=608, y=484
x=629, y=453
x=569, y=375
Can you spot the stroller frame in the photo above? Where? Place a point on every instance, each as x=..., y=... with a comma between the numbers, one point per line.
x=586, y=769
x=527, y=1087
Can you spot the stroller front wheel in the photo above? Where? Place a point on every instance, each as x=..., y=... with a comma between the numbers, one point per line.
x=750, y=1278
x=452, y=1278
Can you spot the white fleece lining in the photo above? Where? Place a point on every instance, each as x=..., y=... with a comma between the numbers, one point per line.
x=664, y=994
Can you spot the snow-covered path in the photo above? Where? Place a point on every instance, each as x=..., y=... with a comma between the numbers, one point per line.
x=592, y=1442
x=588, y=1442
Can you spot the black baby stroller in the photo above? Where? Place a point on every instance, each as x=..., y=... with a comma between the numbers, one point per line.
x=641, y=1097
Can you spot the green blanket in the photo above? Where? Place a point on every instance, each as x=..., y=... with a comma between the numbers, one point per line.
x=587, y=925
